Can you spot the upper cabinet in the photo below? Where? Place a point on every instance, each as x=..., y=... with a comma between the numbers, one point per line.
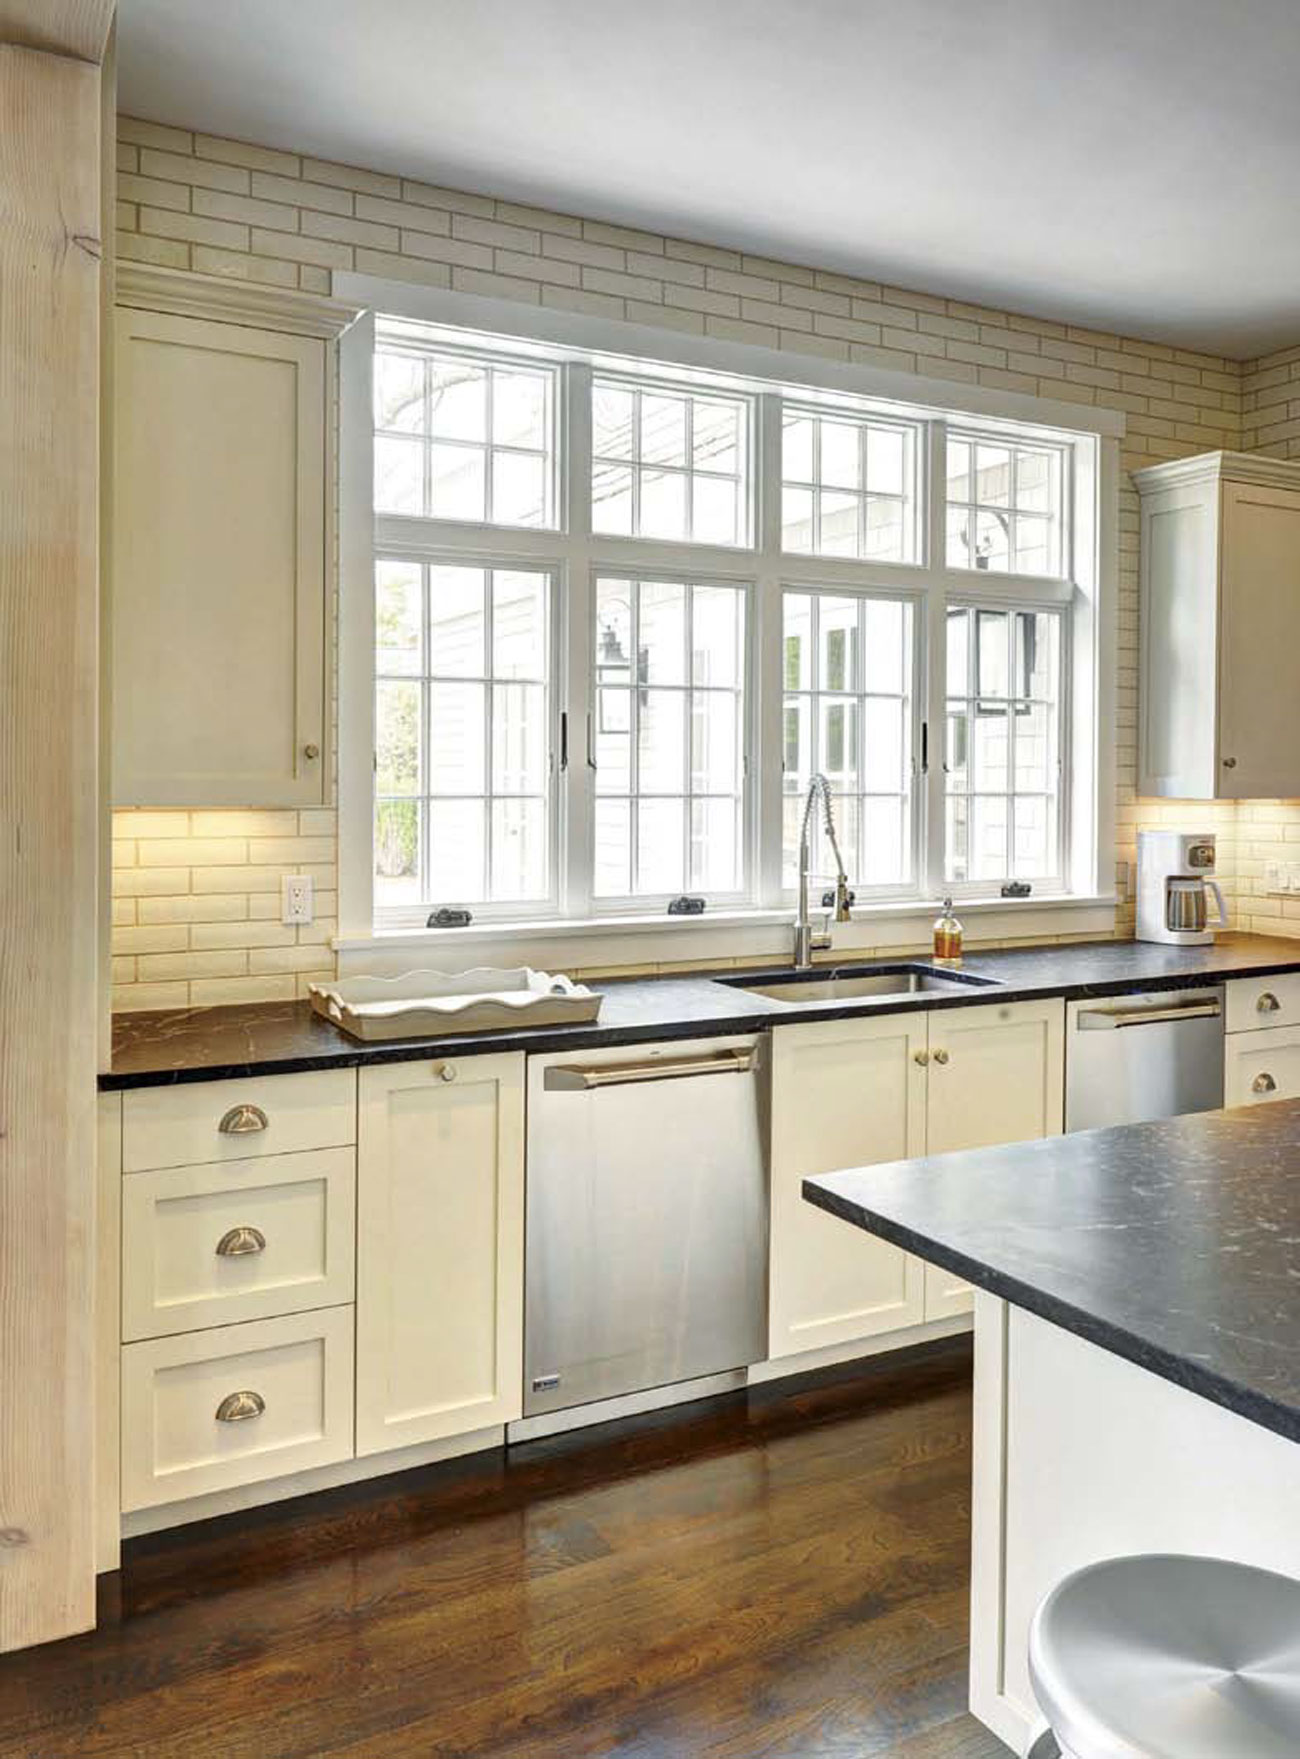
x=1220, y=628
x=220, y=579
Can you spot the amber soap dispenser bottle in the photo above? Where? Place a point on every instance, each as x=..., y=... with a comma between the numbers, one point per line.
x=947, y=936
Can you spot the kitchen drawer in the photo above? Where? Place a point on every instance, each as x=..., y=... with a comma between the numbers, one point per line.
x=212, y=1245
x=233, y=1120
x=1261, y=1066
x=1257, y=1003
x=295, y=1378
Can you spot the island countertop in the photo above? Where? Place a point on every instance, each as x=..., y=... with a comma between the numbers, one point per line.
x=1173, y=1244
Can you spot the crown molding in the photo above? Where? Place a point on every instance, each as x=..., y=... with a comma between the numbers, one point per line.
x=1239, y=467
x=145, y=287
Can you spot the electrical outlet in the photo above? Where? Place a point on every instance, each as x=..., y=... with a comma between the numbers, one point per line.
x=296, y=901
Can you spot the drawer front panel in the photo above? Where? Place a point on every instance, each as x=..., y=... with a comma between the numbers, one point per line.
x=1256, y=1003
x=290, y=1378
x=213, y=1245
x=234, y=1120
x=1261, y=1066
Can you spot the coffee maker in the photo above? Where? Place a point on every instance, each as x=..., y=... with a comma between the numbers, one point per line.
x=1175, y=870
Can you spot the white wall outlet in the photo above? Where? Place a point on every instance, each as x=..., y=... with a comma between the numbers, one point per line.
x=296, y=901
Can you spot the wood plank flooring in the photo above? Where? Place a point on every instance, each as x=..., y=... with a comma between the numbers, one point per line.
x=755, y=1577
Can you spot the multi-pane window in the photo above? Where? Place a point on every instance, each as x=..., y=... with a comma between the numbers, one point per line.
x=1005, y=506
x=669, y=693
x=462, y=734
x=457, y=437
x=1002, y=756
x=847, y=486
x=847, y=664
x=669, y=463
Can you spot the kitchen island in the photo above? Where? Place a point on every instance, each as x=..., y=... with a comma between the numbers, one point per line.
x=1137, y=1369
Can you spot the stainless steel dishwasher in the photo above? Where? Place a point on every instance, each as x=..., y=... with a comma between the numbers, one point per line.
x=647, y=1219
x=1154, y=1055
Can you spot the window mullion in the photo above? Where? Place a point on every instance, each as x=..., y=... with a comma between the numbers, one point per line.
x=932, y=706
x=577, y=621
x=765, y=708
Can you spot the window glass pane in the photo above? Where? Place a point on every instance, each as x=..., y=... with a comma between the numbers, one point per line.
x=716, y=444
x=519, y=410
x=838, y=529
x=885, y=461
x=715, y=864
x=841, y=463
x=668, y=464
x=797, y=519
x=959, y=531
x=611, y=499
x=519, y=749
x=519, y=853
x=456, y=622
x=838, y=744
x=796, y=448
x=518, y=489
x=458, y=482
x=397, y=852
x=397, y=739
x=519, y=619
x=886, y=645
x=399, y=393
x=715, y=742
x=398, y=617
x=663, y=429
x=457, y=738
x=992, y=540
x=958, y=470
x=399, y=475
x=992, y=476
x=457, y=850
x=660, y=846
x=663, y=633
x=612, y=413
x=837, y=624
x=863, y=504
x=884, y=839
x=717, y=510
x=663, y=504
x=457, y=400
x=884, y=529
x=612, y=861
x=717, y=631
x=797, y=641
x=884, y=755
x=661, y=742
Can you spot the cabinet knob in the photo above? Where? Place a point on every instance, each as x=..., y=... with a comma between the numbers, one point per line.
x=311, y=751
x=243, y=1120
x=1263, y=1084
x=921, y=1057
x=240, y=1407
x=1229, y=763
x=446, y=1071
x=941, y=1056
x=241, y=1242
x=1268, y=1003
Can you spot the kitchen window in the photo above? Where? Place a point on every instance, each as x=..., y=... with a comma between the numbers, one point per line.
x=623, y=613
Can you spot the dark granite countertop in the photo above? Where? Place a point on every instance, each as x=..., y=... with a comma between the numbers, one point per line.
x=211, y=1043
x=1174, y=1244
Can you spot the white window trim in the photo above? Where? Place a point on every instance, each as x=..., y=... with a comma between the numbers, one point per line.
x=610, y=345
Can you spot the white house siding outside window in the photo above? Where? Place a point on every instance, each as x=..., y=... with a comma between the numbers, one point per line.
x=623, y=616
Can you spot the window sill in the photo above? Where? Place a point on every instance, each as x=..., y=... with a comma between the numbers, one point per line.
x=723, y=936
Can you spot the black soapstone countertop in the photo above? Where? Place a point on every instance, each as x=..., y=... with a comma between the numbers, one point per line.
x=1173, y=1244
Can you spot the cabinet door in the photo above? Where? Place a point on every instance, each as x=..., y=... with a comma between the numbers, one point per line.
x=1259, y=1066
x=844, y=1094
x=997, y=1074
x=219, y=583
x=1259, y=670
x=440, y=1260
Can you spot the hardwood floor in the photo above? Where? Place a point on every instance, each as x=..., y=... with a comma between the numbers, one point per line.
x=775, y=1574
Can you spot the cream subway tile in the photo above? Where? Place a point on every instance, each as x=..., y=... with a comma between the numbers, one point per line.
x=122, y=969
x=209, y=907
x=151, y=882
x=284, y=851
x=495, y=286
x=317, y=934
x=886, y=357
x=270, y=959
x=213, y=991
x=960, y=371
x=456, y=251
x=624, y=286
x=404, y=215
x=197, y=851
x=917, y=301
x=849, y=285
x=723, y=305
x=218, y=204
x=847, y=329
x=166, y=253
x=236, y=152
x=162, y=937
x=1029, y=363
x=978, y=314
x=206, y=935
x=541, y=219
x=187, y=173
x=264, y=906
x=130, y=822
x=194, y=228
x=777, y=271
x=125, y=853
x=744, y=286
x=667, y=317
x=707, y=255
x=1074, y=351
x=347, y=231
x=267, y=186
x=914, y=340
x=595, y=305
x=428, y=195
x=153, y=190
x=478, y=231
x=1035, y=326
x=137, y=998
x=156, y=967
x=305, y=979
x=128, y=156
x=379, y=262
x=785, y=317
x=514, y=262
x=816, y=299
x=236, y=879
x=998, y=380
x=628, y=238
x=313, y=821
x=825, y=347
x=248, y=822
x=327, y=906
x=941, y=324
x=900, y=317
x=122, y=912
x=267, y=271
x=154, y=134
x=736, y=330
x=976, y=353
x=582, y=250
x=324, y=252
x=351, y=177
x=667, y=269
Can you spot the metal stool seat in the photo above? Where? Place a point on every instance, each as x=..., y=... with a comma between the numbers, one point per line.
x=1169, y=1657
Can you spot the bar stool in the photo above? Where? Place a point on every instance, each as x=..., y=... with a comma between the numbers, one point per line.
x=1168, y=1657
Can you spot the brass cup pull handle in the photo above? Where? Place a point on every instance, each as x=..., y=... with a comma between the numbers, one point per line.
x=1267, y=1003
x=240, y=1407
x=243, y=1120
x=1263, y=1084
x=241, y=1242
x=941, y=1056
x=921, y=1057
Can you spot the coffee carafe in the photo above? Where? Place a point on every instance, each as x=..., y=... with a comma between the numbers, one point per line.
x=1175, y=878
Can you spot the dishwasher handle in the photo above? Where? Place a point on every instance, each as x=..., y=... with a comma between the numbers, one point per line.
x=580, y=1077
x=1110, y=1019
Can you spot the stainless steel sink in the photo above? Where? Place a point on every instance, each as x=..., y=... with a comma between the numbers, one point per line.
x=877, y=983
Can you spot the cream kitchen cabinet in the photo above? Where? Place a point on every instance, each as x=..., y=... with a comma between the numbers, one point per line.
x=220, y=581
x=1261, y=1047
x=853, y=1092
x=1220, y=671
x=440, y=1229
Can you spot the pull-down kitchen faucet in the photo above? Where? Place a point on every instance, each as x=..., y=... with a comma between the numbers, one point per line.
x=806, y=943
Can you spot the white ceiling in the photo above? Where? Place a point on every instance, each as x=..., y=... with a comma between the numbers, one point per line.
x=1126, y=164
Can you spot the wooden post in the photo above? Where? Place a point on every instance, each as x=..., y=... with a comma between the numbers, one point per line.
x=50, y=228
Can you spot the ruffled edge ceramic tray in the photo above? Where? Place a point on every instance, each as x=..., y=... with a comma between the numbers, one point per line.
x=430, y=1004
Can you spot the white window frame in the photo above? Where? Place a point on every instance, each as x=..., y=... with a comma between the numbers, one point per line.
x=615, y=347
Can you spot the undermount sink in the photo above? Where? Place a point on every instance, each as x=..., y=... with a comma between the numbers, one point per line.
x=879, y=983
